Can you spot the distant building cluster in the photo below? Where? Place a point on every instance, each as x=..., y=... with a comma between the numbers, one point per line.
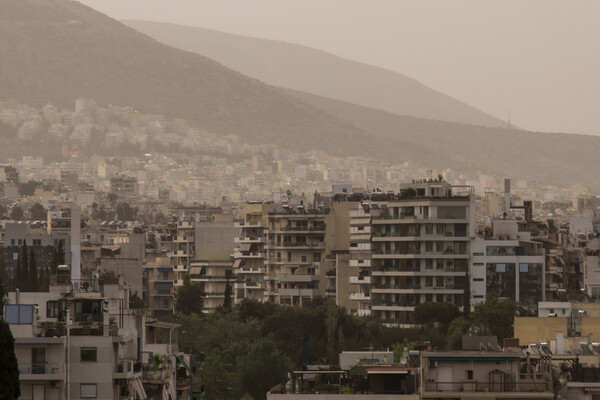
x=95, y=249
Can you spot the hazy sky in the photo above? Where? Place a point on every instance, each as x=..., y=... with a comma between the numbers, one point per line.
x=538, y=59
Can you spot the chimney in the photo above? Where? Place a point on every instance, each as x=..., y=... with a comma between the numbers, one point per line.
x=507, y=197
x=75, y=245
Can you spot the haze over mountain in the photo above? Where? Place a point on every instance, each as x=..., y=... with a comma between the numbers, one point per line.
x=55, y=51
x=314, y=71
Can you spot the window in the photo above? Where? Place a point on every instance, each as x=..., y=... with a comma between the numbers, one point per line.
x=440, y=229
x=439, y=281
x=87, y=390
x=88, y=354
x=429, y=263
x=439, y=247
x=303, y=258
x=439, y=298
x=429, y=229
x=439, y=264
x=478, y=279
x=469, y=374
x=18, y=314
x=37, y=242
x=428, y=281
x=316, y=257
x=52, y=309
x=428, y=246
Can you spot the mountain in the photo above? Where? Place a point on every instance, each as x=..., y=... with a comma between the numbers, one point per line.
x=313, y=71
x=548, y=158
x=55, y=51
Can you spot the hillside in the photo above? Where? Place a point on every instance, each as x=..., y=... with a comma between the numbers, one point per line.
x=551, y=158
x=305, y=69
x=55, y=51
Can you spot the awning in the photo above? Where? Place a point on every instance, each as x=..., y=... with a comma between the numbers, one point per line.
x=196, y=270
x=165, y=269
x=245, y=246
x=163, y=324
x=236, y=263
x=387, y=371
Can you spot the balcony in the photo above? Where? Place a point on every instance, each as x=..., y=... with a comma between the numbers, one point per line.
x=249, y=239
x=249, y=285
x=488, y=387
x=41, y=371
x=245, y=271
x=296, y=245
x=248, y=225
x=360, y=280
x=298, y=278
x=180, y=268
x=360, y=263
x=237, y=255
x=125, y=369
x=360, y=297
x=183, y=239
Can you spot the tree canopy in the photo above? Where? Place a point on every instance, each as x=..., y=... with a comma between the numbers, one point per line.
x=10, y=387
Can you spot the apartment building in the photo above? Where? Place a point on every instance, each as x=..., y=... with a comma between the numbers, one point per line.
x=510, y=264
x=411, y=248
x=295, y=249
x=484, y=375
x=77, y=341
x=159, y=291
x=183, y=249
x=249, y=253
x=212, y=264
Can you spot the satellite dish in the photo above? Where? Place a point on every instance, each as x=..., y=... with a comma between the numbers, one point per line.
x=403, y=360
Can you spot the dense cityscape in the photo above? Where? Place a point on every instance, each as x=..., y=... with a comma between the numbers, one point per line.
x=195, y=214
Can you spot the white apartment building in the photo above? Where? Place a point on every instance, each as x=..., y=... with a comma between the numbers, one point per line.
x=419, y=249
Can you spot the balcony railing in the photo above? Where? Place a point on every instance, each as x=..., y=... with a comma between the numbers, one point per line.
x=474, y=386
x=41, y=368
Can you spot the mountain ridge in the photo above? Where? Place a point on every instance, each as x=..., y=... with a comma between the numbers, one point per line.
x=302, y=68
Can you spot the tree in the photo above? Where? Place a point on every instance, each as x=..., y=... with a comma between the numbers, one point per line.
x=24, y=268
x=33, y=273
x=189, y=297
x=136, y=302
x=261, y=367
x=125, y=212
x=37, y=212
x=227, y=294
x=16, y=213
x=108, y=278
x=436, y=314
x=10, y=388
x=494, y=317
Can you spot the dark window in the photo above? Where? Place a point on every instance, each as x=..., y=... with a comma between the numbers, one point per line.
x=88, y=354
x=52, y=309
x=469, y=374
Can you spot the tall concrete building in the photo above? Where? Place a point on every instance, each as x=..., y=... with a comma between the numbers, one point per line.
x=249, y=253
x=418, y=241
x=295, y=250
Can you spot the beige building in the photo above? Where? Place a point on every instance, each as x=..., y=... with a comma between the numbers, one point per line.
x=213, y=259
x=295, y=250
